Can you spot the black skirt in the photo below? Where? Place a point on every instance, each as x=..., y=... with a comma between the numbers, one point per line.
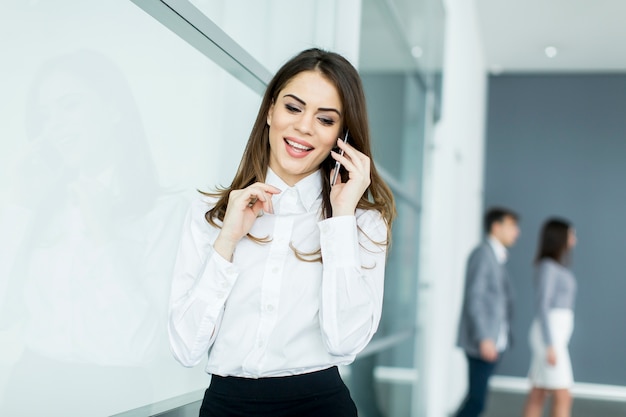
x=320, y=393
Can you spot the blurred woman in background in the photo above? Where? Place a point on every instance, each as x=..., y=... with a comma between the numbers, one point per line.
x=555, y=291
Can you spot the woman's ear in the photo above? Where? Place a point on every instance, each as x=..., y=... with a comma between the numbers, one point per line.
x=269, y=114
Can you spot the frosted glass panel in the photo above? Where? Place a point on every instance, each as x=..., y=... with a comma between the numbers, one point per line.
x=109, y=124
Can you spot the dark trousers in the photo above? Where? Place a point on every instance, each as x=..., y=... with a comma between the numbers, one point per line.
x=316, y=394
x=479, y=373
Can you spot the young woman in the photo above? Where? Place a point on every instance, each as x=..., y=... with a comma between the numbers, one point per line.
x=555, y=291
x=279, y=277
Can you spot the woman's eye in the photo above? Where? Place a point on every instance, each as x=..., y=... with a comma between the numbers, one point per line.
x=326, y=121
x=292, y=108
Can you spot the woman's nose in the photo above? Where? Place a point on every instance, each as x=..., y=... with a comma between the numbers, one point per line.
x=305, y=124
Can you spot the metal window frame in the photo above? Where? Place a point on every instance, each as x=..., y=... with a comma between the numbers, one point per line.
x=194, y=27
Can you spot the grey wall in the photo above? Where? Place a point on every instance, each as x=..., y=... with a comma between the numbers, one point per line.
x=556, y=145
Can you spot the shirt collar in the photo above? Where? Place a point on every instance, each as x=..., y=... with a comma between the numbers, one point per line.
x=499, y=249
x=309, y=189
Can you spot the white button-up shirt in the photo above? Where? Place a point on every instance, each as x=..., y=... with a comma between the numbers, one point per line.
x=268, y=313
x=502, y=254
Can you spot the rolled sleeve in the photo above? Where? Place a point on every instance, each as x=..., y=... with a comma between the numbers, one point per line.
x=201, y=284
x=353, y=252
x=339, y=241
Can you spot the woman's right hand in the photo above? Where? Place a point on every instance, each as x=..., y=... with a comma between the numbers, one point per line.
x=244, y=206
x=551, y=356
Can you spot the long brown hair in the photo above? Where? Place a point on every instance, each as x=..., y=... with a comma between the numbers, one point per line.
x=553, y=241
x=256, y=156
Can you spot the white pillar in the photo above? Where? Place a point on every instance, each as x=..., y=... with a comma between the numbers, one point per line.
x=452, y=211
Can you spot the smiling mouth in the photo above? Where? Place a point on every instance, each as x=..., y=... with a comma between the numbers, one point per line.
x=297, y=146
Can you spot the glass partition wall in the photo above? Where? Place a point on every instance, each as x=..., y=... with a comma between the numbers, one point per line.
x=164, y=93
x=400, y=63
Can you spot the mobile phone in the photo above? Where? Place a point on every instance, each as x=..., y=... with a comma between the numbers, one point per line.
x=337, y=164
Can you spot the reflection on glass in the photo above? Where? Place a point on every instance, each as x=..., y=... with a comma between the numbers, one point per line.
x=396, y=83
x=398, y=147
x=87, y=286
x=363, y=387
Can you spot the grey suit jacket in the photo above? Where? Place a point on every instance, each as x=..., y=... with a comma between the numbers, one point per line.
x=487, y=301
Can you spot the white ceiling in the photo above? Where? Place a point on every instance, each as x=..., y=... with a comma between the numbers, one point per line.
x=590, y=35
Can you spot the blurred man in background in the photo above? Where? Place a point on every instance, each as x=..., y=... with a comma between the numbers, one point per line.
x=484, y=331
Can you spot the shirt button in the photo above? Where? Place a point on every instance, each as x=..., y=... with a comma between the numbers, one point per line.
x=270, y=308
x=275, y=270
x=230, y=270
x=221, y=295
x=224, y=284
x=259, y=343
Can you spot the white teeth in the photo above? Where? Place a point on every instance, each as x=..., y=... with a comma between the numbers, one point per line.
x=297, y=145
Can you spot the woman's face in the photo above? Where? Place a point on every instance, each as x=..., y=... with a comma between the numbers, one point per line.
x=304, y=124
x=571, y=238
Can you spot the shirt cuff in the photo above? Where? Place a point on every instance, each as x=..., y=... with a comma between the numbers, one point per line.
x=339, y=241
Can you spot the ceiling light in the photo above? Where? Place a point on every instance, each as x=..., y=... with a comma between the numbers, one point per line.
x=551, y=51
x=417, y=52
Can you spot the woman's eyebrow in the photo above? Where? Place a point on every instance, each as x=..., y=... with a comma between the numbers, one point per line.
x=298, y=99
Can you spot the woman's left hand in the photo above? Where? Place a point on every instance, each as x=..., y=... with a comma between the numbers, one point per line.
x=344, y=197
